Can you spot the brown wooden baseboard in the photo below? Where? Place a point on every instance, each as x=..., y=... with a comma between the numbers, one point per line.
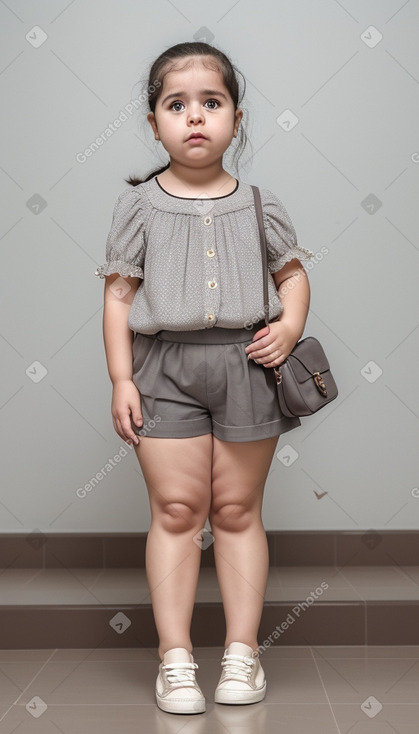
x=286, y=548
x=336, y=623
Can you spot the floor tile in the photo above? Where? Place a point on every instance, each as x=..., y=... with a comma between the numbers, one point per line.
x=353, y=680
x=323, y=689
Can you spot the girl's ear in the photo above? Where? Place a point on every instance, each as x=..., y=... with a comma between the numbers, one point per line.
x=152, y=120
x=238, y=117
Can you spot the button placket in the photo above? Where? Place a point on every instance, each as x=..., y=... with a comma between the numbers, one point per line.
x=211, y=270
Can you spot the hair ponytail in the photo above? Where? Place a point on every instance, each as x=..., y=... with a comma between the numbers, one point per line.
x=134, y=181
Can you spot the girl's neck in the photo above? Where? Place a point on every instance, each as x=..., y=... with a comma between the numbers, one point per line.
x=210, y=181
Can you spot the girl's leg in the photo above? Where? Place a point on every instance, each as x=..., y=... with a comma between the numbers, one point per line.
x=177, y=473
x=240, y=544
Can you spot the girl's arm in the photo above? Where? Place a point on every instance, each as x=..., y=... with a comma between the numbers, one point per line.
x=271, y=346
x=118, y=339
x=294, y=291
x=116, y=333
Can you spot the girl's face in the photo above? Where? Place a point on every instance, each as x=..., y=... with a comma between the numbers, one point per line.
x=195, y=100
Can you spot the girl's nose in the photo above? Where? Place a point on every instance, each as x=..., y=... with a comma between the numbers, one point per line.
x=195, y=116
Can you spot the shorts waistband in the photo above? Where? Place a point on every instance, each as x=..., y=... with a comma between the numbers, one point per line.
x=214, y=335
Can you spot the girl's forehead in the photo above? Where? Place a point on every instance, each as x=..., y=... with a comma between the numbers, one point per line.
x=196, y=74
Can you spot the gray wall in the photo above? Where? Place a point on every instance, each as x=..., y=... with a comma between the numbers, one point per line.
x=347, y=173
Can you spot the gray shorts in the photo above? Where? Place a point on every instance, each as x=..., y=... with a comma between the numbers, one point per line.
x=197, y=382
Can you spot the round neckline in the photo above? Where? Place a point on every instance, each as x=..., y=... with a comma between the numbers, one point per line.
x=194, y=198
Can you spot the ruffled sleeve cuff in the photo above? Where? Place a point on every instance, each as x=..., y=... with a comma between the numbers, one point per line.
x=281, y=238
x=123, y=268
x=300, y=253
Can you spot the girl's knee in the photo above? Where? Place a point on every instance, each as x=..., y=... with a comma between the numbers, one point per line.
x=179, y=517
x=234, y=518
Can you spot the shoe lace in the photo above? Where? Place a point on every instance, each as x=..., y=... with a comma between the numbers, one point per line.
x=179, y=674
x=237, y=667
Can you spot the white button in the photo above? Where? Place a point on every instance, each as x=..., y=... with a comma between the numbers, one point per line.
x=210, y=253
x=212, y=284
x=210, y=316
x=207, y=220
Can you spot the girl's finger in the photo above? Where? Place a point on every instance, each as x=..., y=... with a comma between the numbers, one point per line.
x=120, y=429
x=128, y=430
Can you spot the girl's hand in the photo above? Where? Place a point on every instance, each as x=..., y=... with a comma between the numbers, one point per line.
x=272, y=344
x=126, y=402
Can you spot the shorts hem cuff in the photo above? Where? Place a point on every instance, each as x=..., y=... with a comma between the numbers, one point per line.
x=256, y=432
x=175, y=429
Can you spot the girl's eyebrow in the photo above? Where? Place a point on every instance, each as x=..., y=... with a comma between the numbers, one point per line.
x=203, y=93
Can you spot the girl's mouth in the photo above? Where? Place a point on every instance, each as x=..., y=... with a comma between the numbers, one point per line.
x=195, y=136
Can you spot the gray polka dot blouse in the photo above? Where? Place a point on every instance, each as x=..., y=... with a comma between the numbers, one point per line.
x=198, y=259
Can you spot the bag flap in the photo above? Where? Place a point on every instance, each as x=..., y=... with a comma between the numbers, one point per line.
x=307, y=357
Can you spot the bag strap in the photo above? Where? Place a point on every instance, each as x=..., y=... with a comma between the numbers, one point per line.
x=262, y=240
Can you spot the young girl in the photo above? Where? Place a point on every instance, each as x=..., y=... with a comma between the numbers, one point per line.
x=193, y=385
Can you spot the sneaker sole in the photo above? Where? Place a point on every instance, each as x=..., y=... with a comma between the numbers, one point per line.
x=180, y=707
x=240, y=697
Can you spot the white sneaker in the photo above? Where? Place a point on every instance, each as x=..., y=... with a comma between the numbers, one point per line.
x=177, y=690
x=242, y=679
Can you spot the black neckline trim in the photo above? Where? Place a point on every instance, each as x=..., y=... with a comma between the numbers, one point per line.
x=193, y=198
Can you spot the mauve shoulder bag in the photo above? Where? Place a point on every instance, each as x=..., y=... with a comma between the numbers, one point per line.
x=304, y=380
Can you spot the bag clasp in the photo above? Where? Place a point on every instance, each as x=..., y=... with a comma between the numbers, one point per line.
x=320, y=384
x=278, y=375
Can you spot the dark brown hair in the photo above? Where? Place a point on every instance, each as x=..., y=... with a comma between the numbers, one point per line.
x=167, y=60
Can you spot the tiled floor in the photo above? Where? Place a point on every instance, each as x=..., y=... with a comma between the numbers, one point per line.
x=321, y=690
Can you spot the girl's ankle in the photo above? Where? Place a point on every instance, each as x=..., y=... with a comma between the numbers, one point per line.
x=162, y=652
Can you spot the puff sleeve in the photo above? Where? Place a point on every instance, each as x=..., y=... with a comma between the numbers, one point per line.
x=281, y=238
x=126, y=244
